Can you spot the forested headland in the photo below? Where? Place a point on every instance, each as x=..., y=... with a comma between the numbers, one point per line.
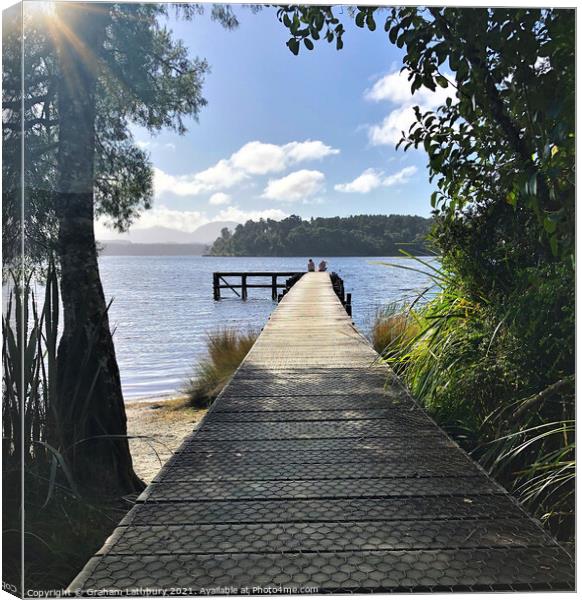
x=359, y=235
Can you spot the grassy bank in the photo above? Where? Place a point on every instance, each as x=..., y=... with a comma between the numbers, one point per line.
x=500, y=380
x=225, y=350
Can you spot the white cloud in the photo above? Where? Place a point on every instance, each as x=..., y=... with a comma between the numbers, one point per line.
x=395, y=88
x=162, y=216
x=158, y=216
x=221, y=175
x=258, y=158
x=219, y=198
x=309, y=150
x=254, y=158
x=400, y=177
x=234, y=213
x=369, y=180
x=389, y=131
x=182, y=221
x=296, y=186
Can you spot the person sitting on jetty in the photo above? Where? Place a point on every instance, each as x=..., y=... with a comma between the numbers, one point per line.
x=310, y=265
x=322, y=266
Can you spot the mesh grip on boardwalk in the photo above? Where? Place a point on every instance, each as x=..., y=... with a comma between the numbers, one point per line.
x=314, y=471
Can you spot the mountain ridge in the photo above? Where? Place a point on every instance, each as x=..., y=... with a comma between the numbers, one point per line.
x=205, y=234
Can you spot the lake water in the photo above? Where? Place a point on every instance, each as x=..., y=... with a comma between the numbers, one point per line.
x=163, y=307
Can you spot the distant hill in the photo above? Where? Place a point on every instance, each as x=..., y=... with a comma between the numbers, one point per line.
x=124, y=248
x=359, y=235
x=205, y=234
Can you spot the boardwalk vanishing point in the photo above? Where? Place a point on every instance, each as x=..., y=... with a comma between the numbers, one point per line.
x=315, y=471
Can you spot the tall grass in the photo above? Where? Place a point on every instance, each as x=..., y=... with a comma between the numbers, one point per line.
x=225, y=350
x=462, y=357
x=29, y=374
x=393, y=327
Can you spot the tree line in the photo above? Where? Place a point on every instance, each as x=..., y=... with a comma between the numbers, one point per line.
x=358, y=235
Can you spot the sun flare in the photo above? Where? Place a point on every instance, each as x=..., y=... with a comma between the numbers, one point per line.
x=39, y=7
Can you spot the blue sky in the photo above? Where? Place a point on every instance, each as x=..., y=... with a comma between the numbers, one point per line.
x=325, y=122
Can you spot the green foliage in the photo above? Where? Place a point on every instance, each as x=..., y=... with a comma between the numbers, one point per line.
x=29, y=372
x=226, y=349
x=361, y=235
x=505, y=135
x=393, y=327
x=61, y=529
x=310, y=23
x=64, y=526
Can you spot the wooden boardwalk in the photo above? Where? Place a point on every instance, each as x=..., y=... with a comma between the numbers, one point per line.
x=312, y=473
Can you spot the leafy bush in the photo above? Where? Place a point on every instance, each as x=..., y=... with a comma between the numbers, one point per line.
x=226, y=350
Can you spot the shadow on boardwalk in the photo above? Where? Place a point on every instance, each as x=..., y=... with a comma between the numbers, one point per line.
x=310, y=472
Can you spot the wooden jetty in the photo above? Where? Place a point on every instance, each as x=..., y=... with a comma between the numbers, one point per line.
x=316, y=471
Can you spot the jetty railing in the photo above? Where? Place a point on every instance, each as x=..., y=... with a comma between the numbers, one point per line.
x=220, y=282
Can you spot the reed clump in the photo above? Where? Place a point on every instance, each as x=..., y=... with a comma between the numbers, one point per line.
x=225, y=350
x=393, y=327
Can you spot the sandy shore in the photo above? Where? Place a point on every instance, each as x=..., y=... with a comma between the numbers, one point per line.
x=162, y=424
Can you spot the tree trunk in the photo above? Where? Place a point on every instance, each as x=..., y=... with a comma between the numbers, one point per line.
x=89, y=414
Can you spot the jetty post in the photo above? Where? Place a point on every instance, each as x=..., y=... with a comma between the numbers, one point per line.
x=216, y=286
x=274, y=287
